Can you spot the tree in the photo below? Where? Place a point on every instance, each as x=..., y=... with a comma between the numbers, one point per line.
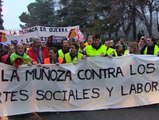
x=73, y=12
x=41, y=12
x=106, y=17
x=145, y=13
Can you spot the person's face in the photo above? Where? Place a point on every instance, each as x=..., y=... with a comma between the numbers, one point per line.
x=37, y=43
x=90, y=41
x=52, y=54
x=65, y=44
x=82, y=45
x=73, y=49
x=149, y=42
x=131, y=49
x=96, y=41
x=107, y=43
x=122, y=40
x=142, y=42
x=111, y=43
x=20, y=49
x=12, y=50
x=119, y=49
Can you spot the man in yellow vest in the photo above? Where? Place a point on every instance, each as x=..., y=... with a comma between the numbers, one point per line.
x=89, y=40
x=110, y=48
x=74, y=55
x=65, y=48
x=150, y=48
x=97, y=48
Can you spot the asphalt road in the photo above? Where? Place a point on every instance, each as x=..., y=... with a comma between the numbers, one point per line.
x=150, y=112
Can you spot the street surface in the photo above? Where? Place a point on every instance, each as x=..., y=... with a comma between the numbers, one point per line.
x=150, y=112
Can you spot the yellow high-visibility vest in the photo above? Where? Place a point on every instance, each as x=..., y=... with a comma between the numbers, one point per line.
x=61, y=54
x=156, y=50
x=90, y=51
x=75, y=59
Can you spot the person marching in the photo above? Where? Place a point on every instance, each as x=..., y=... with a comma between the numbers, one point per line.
x=38, y=52
x=133, y=48
x=96, y=48
x=110, y=49
x=20, y=54
x=150, y=48
x=53, y=58
x=74, y=55
x=65, y=48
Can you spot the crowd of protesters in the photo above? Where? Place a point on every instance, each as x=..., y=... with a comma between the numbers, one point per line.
x=71, y=51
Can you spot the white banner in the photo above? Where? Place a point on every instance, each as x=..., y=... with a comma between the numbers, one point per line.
x=93, y=83
x=25, y=35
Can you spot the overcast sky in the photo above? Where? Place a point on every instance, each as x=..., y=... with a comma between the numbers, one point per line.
x=12, y=9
